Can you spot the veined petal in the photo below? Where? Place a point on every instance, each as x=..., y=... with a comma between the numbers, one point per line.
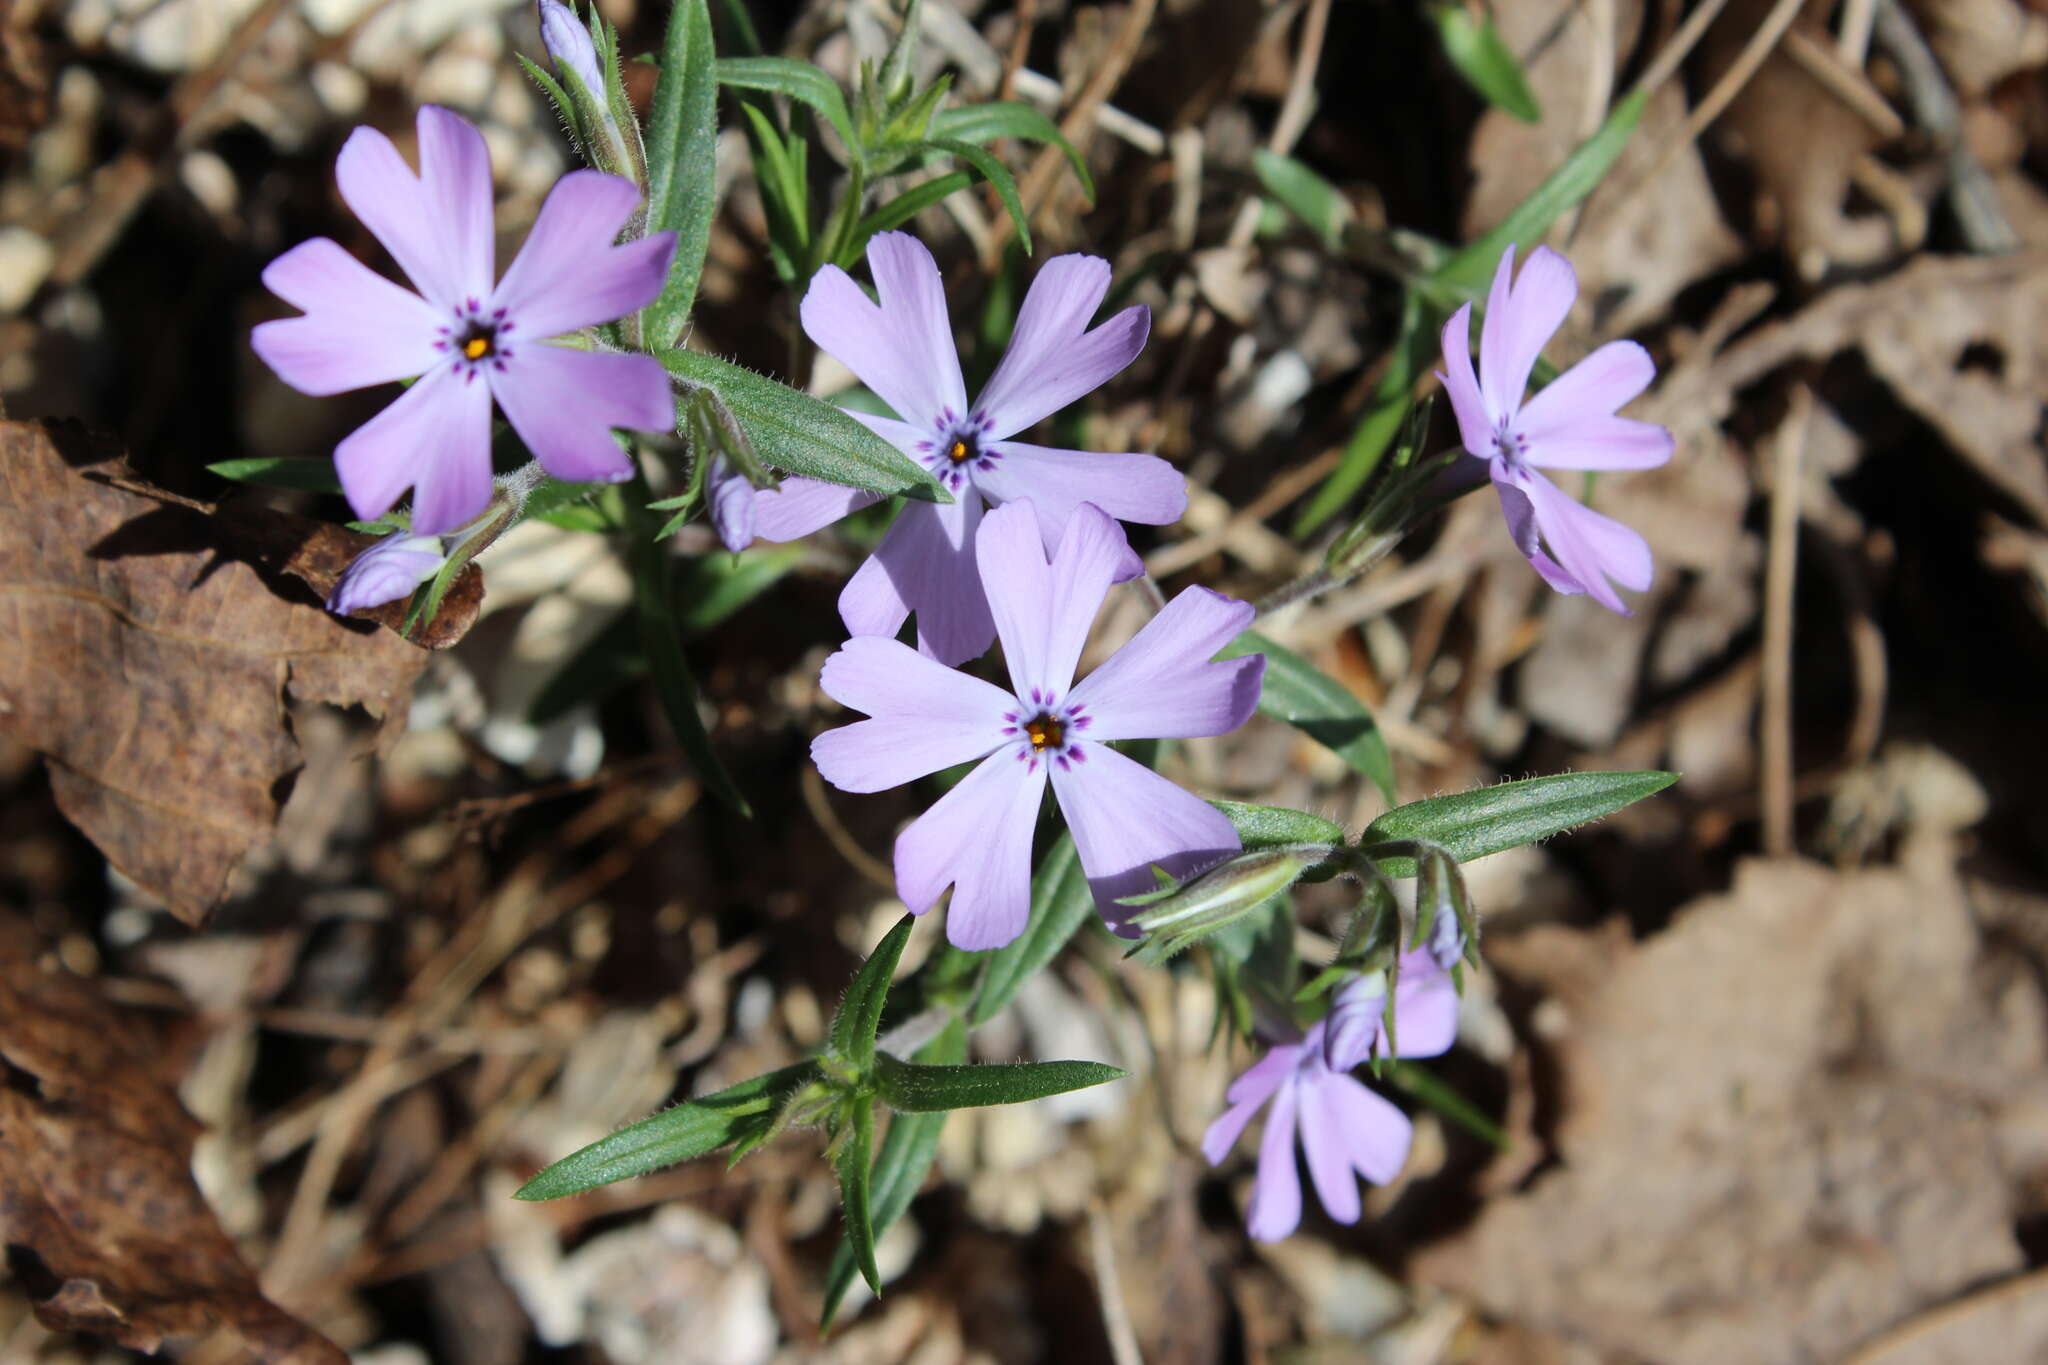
x=925, y=564
x=437, y=224
x=1162, y=684
x=1222, y=1135
x=1425, y=1008
x=1276, y=1192
x=455, y=176
x=1592, y=546
x=568, y=274
x=1256, y=1084
x=1043, y=611
x=1126, y=818
x=564, y=404
x=1475, y=423
x=976, y=839
x=1520, y=514
x=1130, y=487
x=1327, y=1145
x=435, y=438
x=1595, y=387
x=1052, y=359
x=730, y=500
x=1601, y=443
x=1520, y=321
x=798, y=506
x=1376, y=1133
x=359, y=328
x=903, y=349
x=926, y=716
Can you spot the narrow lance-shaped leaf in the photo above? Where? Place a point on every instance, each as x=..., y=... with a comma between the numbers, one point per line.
x=996, y=174
x=1581, y=173
x=982, y=123
x=860, y=1014
x=908, y=1149
x=289, y=471
x=802, y=434
x=1322, y=708
x=926, y=1089
x=687, y=1130
x=1060, y=904
x=800, y=81
x=682, y=141
x=856, y=1154
x=1475, y=47
x=901, y=210
x=1305, y=194
x=1278, y=827
x=1473, y=824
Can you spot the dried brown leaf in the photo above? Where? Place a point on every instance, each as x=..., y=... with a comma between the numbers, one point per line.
x=1958, y=341
x=1780, y=1122
x=152, y=645
x=109, y=1233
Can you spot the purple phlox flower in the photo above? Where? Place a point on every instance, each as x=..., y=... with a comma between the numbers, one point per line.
x=387, y=571
x=1425, y=1014
x=1124, y=817
x=729, y=498
x=1571, y=424
x=360, y=329
x=1346, y=1131
x=902, y=349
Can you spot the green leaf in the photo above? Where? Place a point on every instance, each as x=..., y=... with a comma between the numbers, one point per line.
x=919, y=1089
x=901, y=210
x=908, y=1149
x=1322, y=708
x=781, y=179
x=802, y=434
x=1391, y=399
x=798, y=80
x=662, y=642
x=1426, y=1086
x=1475, y=47
x=1277, y=827
x=1471, y=269
x=1305, y=194
x=303, y=475
x=682, y=143
x=675, y=1134
x=980, y=123
x=1473, y=824
x=860, y=1014
x=553, y=496
x=1060, y=904
x=996, y=174
x=856, y=1155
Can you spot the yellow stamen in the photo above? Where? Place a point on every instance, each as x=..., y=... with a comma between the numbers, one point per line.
x=1045, y=733
x=476, y=348
x=958, y=453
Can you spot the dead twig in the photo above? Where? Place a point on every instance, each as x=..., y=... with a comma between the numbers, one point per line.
x=1778, y=585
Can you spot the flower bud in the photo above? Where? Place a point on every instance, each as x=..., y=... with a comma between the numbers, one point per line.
x=1176, y=917
x=569, y=47
x=600, y=121
x=387, y=571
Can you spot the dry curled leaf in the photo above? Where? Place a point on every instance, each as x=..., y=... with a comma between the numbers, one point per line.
x=106, y=1229
x=152, y=646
